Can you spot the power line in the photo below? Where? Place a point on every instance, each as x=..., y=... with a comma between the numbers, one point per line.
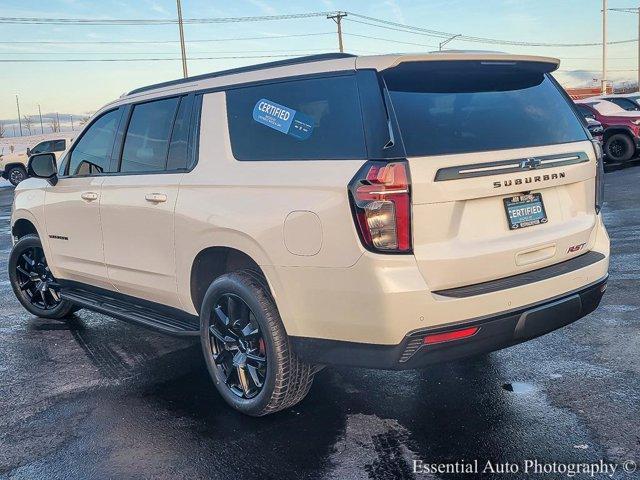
x=467, y=38
x=158, y=42
x=364, y=19
x=168, y=53
x=158, y=59
x=388, y=40
x=148, y=21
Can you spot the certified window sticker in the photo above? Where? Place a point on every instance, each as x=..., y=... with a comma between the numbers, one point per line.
x=283, y=119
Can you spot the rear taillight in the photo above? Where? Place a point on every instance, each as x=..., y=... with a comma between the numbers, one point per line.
x=599, y=175
x=381, y=203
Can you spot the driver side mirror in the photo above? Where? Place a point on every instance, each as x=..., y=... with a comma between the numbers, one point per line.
x=43, y=165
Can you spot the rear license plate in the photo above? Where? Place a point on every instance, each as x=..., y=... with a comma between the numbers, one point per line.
x=525, y=211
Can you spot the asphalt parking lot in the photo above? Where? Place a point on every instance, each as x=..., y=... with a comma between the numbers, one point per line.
x=98, y=398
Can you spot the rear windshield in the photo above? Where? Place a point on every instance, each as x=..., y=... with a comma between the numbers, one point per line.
x=461, y=107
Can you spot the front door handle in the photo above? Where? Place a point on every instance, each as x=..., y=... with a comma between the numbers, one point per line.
x=155, y=197
x=89, y=196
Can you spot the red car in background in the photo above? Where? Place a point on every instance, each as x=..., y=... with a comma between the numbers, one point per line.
x=621, y=127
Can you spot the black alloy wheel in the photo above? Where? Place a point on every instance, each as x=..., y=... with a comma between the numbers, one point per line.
x=617, y=148
x=33, y=283
x=35, y=280
x=238, y=346
x=16, y=175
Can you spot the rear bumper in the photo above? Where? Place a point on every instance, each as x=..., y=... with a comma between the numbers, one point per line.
x=495, y=332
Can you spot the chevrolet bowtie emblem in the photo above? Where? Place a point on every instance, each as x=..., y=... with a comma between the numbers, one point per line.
x=530, y=163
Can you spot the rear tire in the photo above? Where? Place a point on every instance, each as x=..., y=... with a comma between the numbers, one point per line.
x=16, y=175
x=274, y=378
x=33, y=283
x=619, y=148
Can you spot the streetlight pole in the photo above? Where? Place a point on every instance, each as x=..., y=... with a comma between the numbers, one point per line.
x=604, y=47
x=40, y=113
x=443, y=43
x=182, y=47
x=19, y=118
x=338, y=19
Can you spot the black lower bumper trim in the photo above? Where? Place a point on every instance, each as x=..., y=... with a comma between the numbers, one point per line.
x=521, y=279
x=495, y=332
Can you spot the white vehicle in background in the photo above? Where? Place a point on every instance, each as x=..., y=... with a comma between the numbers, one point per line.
x=628, y=101
x=13, y=167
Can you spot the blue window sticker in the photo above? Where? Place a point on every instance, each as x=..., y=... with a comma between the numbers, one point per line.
x=283, y=119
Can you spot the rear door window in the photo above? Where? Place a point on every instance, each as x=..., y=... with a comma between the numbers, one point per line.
x=460, y=107
x=147, y=140
x=178, y=158
x=311, y=119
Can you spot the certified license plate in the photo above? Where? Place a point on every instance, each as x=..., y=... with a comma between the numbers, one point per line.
x=525, y=211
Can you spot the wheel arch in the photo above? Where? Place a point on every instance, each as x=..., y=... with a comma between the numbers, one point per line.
x=609, y=132
x=9, y=166
x=22, y=227
x=212, y=262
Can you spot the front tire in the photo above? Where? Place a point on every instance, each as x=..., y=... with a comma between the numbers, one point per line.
x=246, y=347
x=619, y=148
x=16, y=175
x=33, y=283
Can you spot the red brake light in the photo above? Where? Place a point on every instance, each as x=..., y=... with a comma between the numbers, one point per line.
x=450, y=336
x=381, y=202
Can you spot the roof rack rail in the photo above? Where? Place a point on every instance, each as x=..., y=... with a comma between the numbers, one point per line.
x=250, y=68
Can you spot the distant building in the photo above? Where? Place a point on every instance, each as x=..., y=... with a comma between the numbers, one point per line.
x=586, y=92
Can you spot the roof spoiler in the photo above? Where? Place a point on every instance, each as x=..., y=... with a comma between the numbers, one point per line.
x=533, y=62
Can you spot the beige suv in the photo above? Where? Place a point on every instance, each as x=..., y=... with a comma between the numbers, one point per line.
x=13, y=167
x=385, y=212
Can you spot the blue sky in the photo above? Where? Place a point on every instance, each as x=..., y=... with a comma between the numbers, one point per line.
x=84, y=87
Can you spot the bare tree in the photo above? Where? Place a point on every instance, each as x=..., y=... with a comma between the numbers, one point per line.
x=27, y=123
x=54, y=124
x=83, y=120
x=2, y=130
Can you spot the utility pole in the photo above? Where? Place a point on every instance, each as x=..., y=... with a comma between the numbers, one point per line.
x=182, y=48
x=338, y=19
x=19, y=118
x=604, y=47
x=58, y=120
x=40, y=113
x=635, y=11
x=443, y=43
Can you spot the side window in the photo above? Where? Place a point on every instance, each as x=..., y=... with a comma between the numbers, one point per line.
x=625, y=103
x=42, y=147
x=91, y=155
x=314, y=119
x=58, y=146
x=147, y=139
x=178, y=148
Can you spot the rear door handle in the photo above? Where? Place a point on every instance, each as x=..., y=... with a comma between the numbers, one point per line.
x=155, y=197
x=89, y=196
